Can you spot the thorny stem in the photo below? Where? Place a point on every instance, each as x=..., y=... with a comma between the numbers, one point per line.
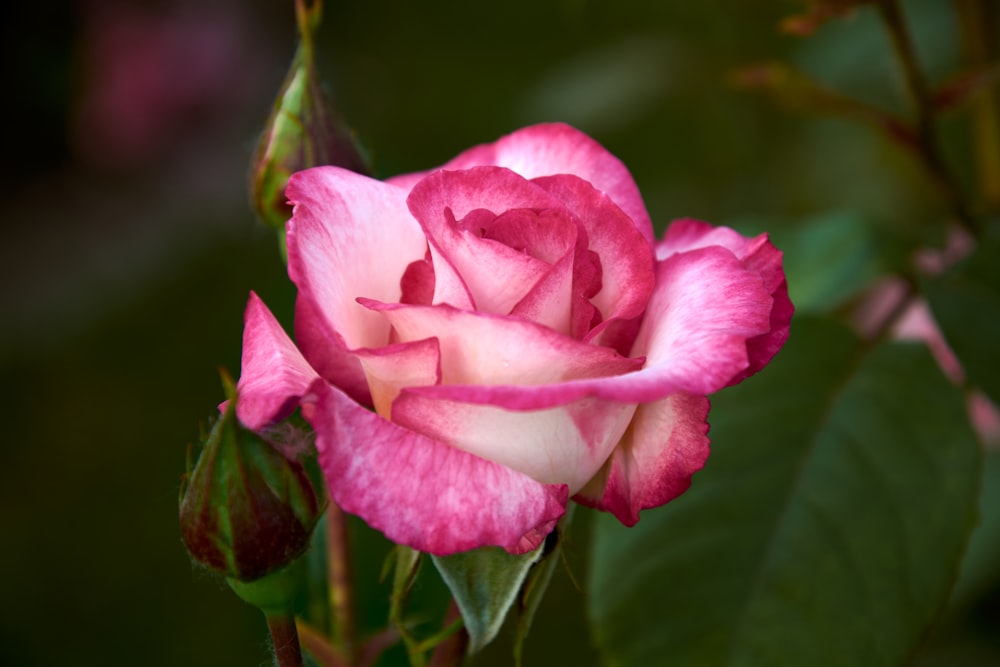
x=339, y=576
x=892, y=15
x=285, y=637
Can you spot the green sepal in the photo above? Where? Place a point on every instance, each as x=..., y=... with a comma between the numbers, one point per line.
x=281, y=592
x=485, y=583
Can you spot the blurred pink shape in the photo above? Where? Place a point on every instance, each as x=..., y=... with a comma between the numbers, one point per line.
x=152, y=76
x=916, y=323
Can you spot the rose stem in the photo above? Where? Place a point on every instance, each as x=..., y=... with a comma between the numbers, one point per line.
x=285, y=638
x=339, y=575
x=892, y=15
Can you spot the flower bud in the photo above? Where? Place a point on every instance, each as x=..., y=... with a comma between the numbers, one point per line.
x=246, y=510
x=304, y=130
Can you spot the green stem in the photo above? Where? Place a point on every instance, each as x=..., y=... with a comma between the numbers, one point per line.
x=407, y=562
x=930, y=154
x=285, y=638
x=339, y=581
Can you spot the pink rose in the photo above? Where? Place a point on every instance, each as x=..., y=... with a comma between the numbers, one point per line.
x=520, y=334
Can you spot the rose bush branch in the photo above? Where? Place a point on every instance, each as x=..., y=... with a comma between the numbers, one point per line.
x=285, y=638
x=923, y=109
x=976, y=18
x=340, y=583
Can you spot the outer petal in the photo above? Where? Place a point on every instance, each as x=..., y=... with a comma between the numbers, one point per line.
x=349, y=236
x=757, y=254
x=274, y=374
x=665, y=444
x=705, y=307
x=423, y=493
x=563, y=445
x=556, y=148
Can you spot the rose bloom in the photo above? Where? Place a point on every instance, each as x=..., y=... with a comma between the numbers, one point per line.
x=520, y=334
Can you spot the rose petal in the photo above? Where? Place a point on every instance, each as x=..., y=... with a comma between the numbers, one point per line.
x=389, y=369
x=705, y=308
x=757, y=254
x=274, y=374
x=626, y=257
x=550, y=300
x=556, y=148
x=349, y=236
x=423, y=493
x=459, y=210
x=665, y=444
x=564, y=445
x=481, y=349
x=693, y=338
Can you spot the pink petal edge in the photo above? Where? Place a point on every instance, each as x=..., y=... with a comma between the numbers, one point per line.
x=665, y=444
x=567, y=444
x=556, y=148
x=705, y=308
x=343, y=225
x=423, y=493
x=274, y=374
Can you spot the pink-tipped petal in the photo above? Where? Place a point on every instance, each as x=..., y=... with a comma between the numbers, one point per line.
x=693, y=339
x=705, y=307
x=423, y=493
x=464, y=215
x=563, y=445
x=349, y=236
x=550, y=301
x=274, y=374
x=690, y=234
x=389, y=369
x=327, y=352
x=757, y=254
x=482, y=349
x=626, y=257
x=761, y=349
x=665, y=444
x=556, y=148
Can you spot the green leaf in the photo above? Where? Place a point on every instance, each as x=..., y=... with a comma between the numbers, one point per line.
x=980, y=571
x=485, y=583
x=966, y=304
x=826, y=528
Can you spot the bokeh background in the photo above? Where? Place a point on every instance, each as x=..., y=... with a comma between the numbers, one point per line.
x=130, y=247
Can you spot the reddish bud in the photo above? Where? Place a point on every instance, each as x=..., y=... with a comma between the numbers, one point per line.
x=246, y=510
x=304, y=131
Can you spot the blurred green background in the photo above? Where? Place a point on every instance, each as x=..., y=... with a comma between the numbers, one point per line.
x=130, y=246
